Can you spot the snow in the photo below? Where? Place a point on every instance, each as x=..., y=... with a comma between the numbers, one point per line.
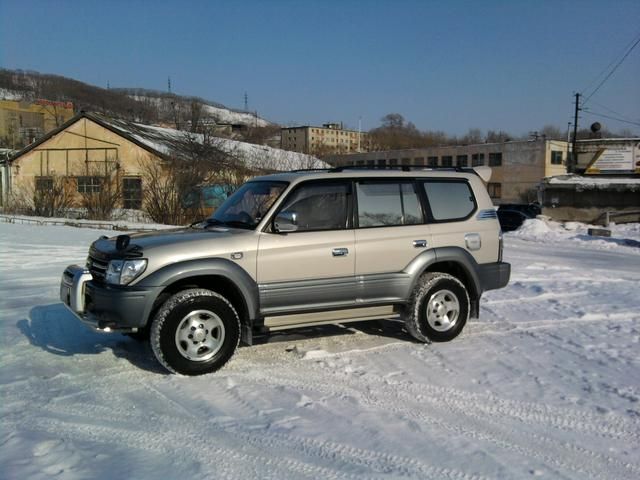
x=6, y=94
x=545, y=384
x=592, y=182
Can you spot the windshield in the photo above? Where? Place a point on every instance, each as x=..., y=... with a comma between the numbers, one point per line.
x=248, y=205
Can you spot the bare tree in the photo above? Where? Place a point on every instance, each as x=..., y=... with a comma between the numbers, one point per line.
x=173, y=186
x=104, y=196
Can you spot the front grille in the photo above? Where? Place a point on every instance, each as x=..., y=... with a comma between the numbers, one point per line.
x=97, y=264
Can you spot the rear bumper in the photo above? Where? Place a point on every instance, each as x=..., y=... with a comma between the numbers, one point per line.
x=494, y=275
x=105, y=307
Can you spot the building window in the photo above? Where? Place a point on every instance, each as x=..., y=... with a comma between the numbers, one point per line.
x=495, y=190
x=432, y=161
x=418, y=161
x=556, y=157
x=477, y=159
x=393, y=162
x=371, y=163
x=132, y=193
x=44, y=184
x=359, y=162
x=495, y=159
x=382, y=163
x=89, y=184
x=462, y=160
x=447, y=161
x=406, y=161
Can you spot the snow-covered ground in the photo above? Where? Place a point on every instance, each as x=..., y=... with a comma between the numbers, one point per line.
x=546, y=384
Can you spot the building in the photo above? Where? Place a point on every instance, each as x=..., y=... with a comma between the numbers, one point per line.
x=517, y=166
x=609, y=187
x=21, y=122
x=91, y=147
x=331, y=138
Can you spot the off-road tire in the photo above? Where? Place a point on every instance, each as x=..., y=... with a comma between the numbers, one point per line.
x=431, y=285
x=174, y=311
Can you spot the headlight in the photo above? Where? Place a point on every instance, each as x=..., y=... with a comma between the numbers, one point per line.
x=123, y=272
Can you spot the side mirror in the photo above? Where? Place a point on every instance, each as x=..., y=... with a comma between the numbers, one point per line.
x=286, y=222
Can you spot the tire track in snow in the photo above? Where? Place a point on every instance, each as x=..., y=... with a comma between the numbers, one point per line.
x=487, y=432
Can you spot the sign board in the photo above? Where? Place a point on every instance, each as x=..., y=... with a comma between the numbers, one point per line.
x=610, y=159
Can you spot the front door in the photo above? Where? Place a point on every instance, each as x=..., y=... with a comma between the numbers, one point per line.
x=311, y=265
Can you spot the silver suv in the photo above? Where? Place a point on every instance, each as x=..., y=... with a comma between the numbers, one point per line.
x=299, y=249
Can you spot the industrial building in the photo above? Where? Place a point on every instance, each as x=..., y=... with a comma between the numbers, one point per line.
x=518, y=166
x=21, y=122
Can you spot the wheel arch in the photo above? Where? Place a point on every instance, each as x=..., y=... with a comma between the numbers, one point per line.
x=456, y=262
x=219, y=275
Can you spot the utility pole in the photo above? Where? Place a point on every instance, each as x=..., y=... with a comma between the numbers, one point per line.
x=574, y=153
x=169, y=83
x=246, y=102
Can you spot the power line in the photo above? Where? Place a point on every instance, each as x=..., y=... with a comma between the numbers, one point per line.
x=598, y=114
x=595, y=79
x=613, y=70
x=621, y=115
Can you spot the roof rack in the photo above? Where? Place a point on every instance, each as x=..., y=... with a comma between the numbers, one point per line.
x=300, y=170
x=402, y=168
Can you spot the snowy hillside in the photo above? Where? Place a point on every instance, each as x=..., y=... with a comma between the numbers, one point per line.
x=219, y=113
x=546, y=384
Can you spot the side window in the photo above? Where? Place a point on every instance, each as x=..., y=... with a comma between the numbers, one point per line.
x=451, y=200
x=319, y=206
x=387, y=204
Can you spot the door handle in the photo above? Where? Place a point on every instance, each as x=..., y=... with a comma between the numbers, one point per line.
x=340, y=252
x=419, y=243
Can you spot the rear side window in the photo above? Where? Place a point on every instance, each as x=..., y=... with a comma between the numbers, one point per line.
x=449, y=200
x=383, y=204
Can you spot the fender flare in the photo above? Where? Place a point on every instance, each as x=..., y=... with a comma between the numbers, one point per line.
x=220, y=267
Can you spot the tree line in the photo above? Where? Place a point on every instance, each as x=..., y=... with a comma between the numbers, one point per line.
x=396, y=133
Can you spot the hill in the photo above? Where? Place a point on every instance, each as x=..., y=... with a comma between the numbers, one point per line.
x=136, y=104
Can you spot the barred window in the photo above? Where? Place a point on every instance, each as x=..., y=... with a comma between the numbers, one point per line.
x=495, y=190
x=556, y=157
x=462, y=160
x=447, y=161
x=495, y=159
x=89, y=184
x=432, y=161
x=477, y=159
x=132, y=193
x=44, y=184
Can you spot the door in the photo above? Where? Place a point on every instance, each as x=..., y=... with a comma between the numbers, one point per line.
x=390, y=233
x=308, y=264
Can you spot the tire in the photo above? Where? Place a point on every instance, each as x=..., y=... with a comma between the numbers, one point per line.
x=195, y=332
x=438, y=308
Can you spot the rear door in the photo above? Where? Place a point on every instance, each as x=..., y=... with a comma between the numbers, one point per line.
x=390, y=233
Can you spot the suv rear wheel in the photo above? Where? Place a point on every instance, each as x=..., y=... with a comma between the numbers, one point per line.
x=439, y=308
x=195, y=332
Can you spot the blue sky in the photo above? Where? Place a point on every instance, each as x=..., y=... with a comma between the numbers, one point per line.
x=448, y=65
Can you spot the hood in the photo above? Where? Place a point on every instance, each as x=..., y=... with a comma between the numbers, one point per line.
x=182, y=239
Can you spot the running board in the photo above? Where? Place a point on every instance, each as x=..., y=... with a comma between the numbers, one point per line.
x=282, y=322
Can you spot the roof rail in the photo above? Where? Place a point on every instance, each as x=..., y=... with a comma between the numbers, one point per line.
x=300, y=170
x=402, y=168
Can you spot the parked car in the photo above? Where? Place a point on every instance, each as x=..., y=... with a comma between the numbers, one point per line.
x=297, y=249
x=512, y=219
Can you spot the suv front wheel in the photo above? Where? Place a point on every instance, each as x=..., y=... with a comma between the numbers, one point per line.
x=195, y=332
x=438, y=309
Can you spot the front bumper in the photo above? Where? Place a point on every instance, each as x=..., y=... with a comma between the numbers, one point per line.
x=105, y=307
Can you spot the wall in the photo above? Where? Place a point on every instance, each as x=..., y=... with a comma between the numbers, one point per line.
x=83, y=148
